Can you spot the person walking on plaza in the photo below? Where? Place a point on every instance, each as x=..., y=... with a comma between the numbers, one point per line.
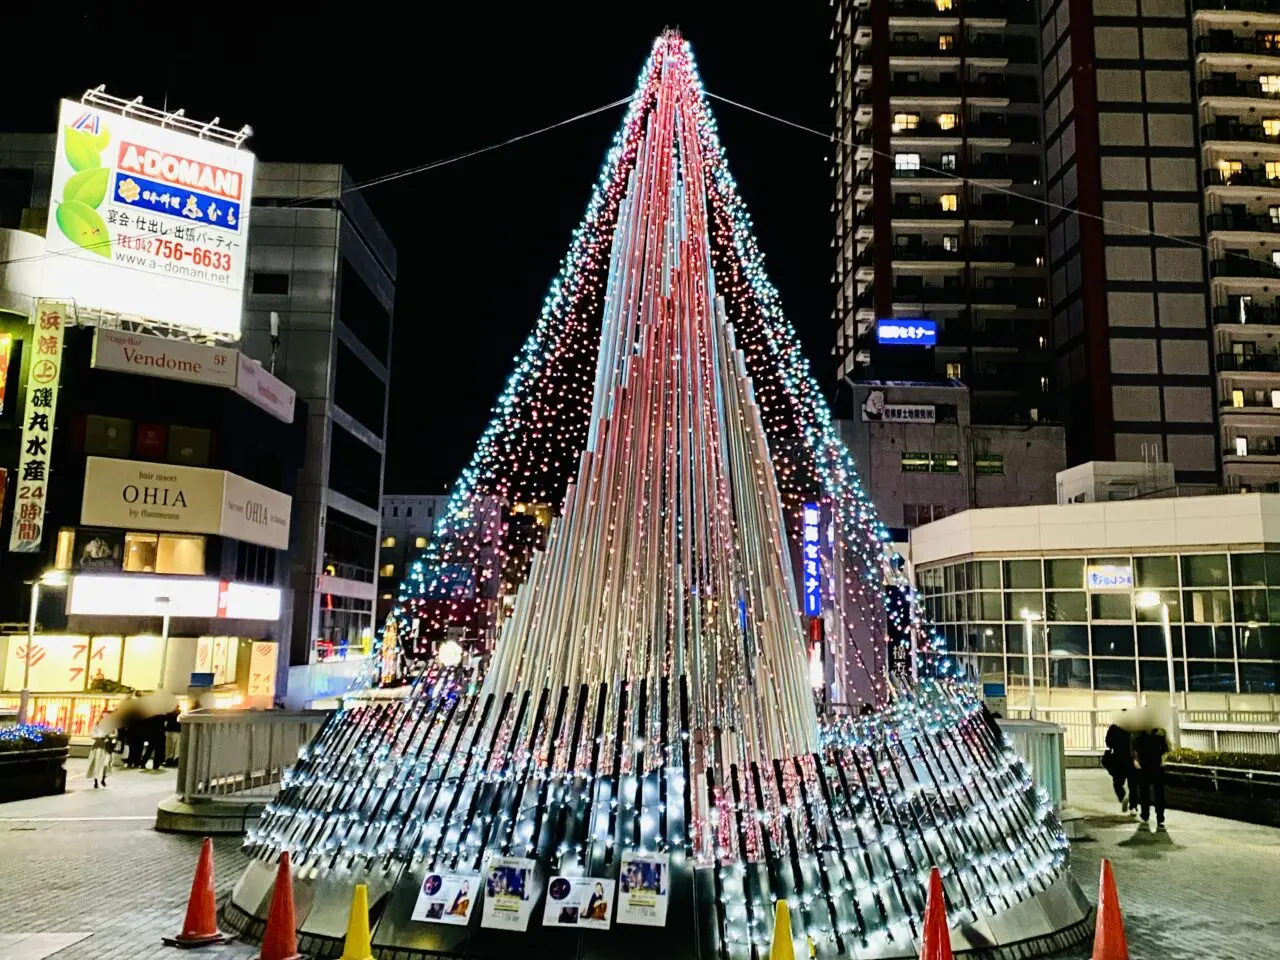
x=1149, y=748
x=154, y=732
x=100, y=755
x=1118, y=761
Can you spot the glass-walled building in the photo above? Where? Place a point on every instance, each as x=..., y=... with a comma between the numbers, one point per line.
x=1087, y=583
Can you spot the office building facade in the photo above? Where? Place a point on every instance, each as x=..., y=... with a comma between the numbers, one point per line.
x=321, y=263
x=408, y=521
x=938, y=133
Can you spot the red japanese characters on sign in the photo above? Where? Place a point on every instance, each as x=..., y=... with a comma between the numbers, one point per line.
x=48, y=327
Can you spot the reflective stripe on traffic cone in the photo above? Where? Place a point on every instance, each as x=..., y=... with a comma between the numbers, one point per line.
x=1108, y=935
x=782, y=948
x=357, y=945
x=280, y=939
x=936, y=942
x=200, y=927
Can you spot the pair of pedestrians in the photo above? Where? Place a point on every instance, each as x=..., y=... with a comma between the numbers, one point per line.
x=1135, y=761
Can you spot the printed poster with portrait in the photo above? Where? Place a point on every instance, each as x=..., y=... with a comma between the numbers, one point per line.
x=447, y=898
x=583, y=902
x=508, y=893
x=642, y=888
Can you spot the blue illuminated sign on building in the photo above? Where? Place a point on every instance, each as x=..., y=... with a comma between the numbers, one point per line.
x=907, y=333
x=812, y=562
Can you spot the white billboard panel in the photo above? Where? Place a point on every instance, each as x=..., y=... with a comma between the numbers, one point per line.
x=147, y=221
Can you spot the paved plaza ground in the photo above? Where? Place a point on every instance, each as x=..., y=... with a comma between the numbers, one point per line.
x=85, y=877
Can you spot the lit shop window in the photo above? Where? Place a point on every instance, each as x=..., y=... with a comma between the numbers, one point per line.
x=1269, y=82
x=161, y=553
x=1230, y=168
x=946, y=41
x=66, y=549
x=906, y=161
x=950, y=203
x=905, y=121
x=1271, y=126
x=946, y=121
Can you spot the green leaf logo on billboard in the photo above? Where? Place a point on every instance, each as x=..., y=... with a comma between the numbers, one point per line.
x=83, y=193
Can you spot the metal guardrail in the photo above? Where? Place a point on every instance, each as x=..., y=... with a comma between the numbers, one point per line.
x=1222, y=730
x=240, y=754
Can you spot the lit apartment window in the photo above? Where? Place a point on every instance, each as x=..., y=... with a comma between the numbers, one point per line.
x=1271, y=169
x=1275, y=398
x=161, y=553
x=1242, y=446
x=1268, y=41
x=950, y=203
x=388, y=541
x=946, y=41
x=1044, y=384
x=942, y=5
x=954, y=371
x=948, y=161
x=906, y=161
x=905, y=121
x=1237, y=398
x=420, y=543
x=946, y=121
x=1229, y=168
x=1271, y=126
x=1269, y=82
x=1274, y=213
x=386, y=596
x=951, y=244
x=1275, y=258
x=387, y=570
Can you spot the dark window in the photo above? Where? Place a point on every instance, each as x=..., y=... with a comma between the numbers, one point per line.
x=108, y=436
x=15, y=197
x=354, y=468
x=274, y=284
x=255, y=563
x=363, y=314
x=358, y=391
x=350, y=546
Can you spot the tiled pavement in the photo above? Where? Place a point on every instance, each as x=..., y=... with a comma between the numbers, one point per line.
x=89, y=862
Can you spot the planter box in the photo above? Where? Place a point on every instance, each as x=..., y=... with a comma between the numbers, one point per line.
x=32, y=773
x=1252, y=796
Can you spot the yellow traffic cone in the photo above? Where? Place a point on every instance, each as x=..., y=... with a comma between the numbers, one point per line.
x=357, y=945
x=782, y=948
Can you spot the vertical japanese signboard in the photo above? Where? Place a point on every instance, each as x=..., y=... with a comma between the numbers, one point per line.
x=44, y=375
x=812, y=562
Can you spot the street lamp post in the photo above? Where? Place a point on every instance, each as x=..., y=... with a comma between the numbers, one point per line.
x=1028, y=618
x=1150, y=600
x=50, y=578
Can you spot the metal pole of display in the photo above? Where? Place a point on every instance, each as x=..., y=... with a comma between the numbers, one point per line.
x=1028, y=636
x=25, y=698
x=164, y=644
x=1174, y=734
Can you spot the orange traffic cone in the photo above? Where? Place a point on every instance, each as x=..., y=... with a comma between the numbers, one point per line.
x=936, y=942
x=200, y=927
x=280, y=939
x=1108, y=934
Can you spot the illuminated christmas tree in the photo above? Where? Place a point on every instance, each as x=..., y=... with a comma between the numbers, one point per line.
x=646, y=732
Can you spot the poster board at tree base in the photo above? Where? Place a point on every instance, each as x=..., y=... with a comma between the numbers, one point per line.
x=447, y=898
x=582, y=902
x=643, y=888
x=508, y=893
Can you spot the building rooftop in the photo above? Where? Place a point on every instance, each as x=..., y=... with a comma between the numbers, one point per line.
x=1145, y=525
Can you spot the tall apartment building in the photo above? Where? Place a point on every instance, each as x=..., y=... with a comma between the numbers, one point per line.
x=320, y=261
x=408, y=521
x=939, y=142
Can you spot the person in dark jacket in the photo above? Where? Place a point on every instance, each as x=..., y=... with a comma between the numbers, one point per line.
x=1149, y=748
x=1118, y=761
x=153, y=731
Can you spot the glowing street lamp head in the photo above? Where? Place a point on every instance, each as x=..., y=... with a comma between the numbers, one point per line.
x=1146, y=600
x=54, y=578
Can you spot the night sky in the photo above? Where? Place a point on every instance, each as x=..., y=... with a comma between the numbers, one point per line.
x=479, y=240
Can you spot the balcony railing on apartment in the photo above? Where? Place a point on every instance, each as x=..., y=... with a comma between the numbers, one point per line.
x=1030, y=296
x=1224, y=44
x=1234, y=87
x=1245, y=177
x=1248, y=222
x=1243, y=267
x=1249, y=363
x=1258, y=314
x=1246, y=6
x=1255, y=447
x=980, y=170
x=1014, y=49
x=1238, y=132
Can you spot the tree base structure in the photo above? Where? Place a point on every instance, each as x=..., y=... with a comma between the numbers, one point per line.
x=847, y=835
